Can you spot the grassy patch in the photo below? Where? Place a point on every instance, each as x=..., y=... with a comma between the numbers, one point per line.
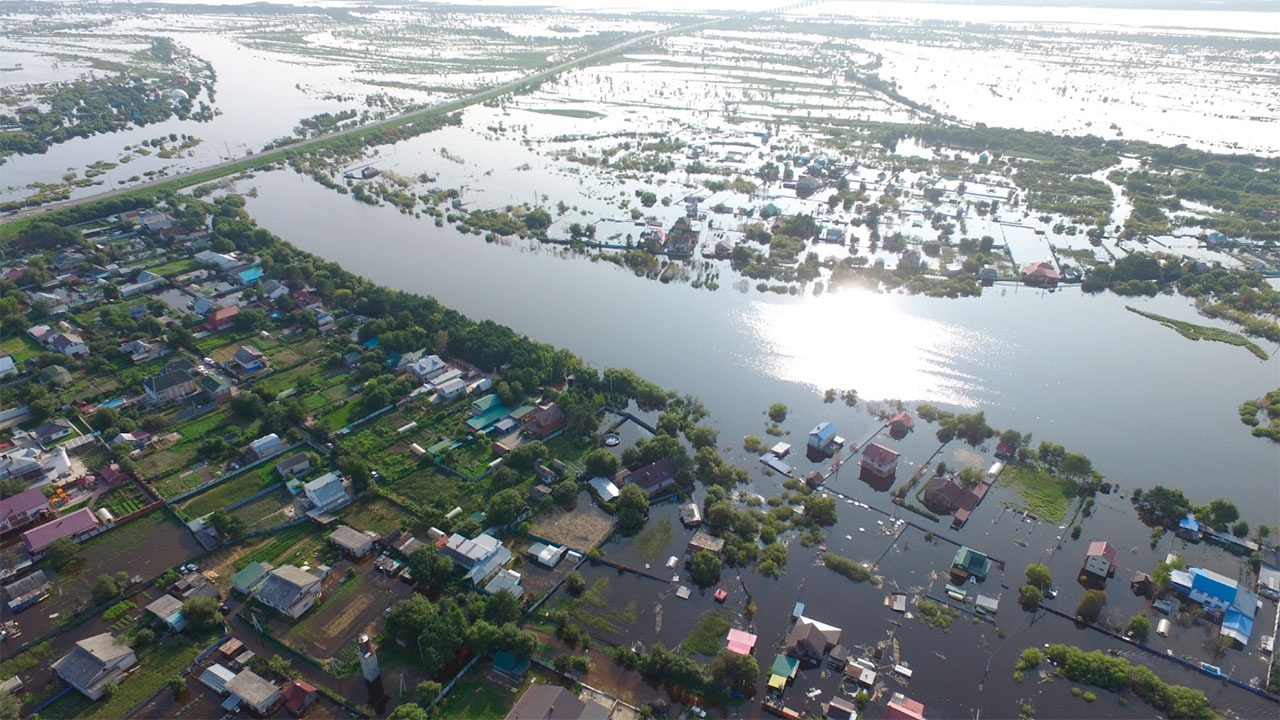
x=379, y=515
x=708, y=635
x=475, y=698
x=314, y=626
x=653, y=542
x=851, y=569
x=1191, y=331
x=20, y=347
x=237, y=488
x=937, y=615
x=569, y=113
x=1043, y=494
x=265, y=511
x=282, y=546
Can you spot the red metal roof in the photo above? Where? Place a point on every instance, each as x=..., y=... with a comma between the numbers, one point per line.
x=879, y=454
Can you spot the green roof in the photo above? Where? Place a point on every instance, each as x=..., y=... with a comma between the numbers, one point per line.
x=249, y=575
x=487, y=418
x=486, y=403
x=521, y=411
x=785, y=666
x=505, y=662
x=442, y=446
x=972, y=562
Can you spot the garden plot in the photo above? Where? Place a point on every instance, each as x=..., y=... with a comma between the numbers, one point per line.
x=582, y=528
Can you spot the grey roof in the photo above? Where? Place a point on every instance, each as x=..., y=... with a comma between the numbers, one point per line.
x=285, y=586
x=164, y=381
x=349, y=538
x=85, y=665
x=548, y=702
x=252, y=688
x=165, y=606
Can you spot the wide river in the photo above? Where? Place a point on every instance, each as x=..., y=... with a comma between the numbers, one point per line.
x=1147, y=405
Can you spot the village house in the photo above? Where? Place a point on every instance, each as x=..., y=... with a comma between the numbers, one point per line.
x=655, y=479
x=250, y=358
x=1042, y=274
x=543, y=702
x=879, y=461
x=479, y=557
x=264, y=447
x=140, y=351
x=691, y=515
x=7, y=366
x=326, y=492
x=69, y=344
x=682, y=238
x=1221, y=597
x=222, y=318
x=508, y=580
x=543, y=421
x=19, y=511
x=428, y=368
x=822, y=436
x=970, y=563
x=810, y=639
x=176, y=382
x=298, y=696
x=94, y=663
x=547, y=556
x=352, y=542
x=296, y=464
x=290, y=590
x=216, y=388
x=902, y=707
x=703, y=541
x=79, y=525
x=53, y=430
x=1101, y=559
x=251, y=578
x=254, y=691
x=169, y=611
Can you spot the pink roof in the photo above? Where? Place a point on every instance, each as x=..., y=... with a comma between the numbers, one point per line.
x=879, y=454
x=80, y=521
x=1105, y=549
x=904, y=708
x=22, y=502
x=741, y=642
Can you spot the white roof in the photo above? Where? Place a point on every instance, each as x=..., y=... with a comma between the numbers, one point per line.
x=605, y=487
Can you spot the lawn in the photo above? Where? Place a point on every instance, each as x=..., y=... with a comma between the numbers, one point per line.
x=237, y=488
x=20, y=347
x=652, y=543
x=1043, y=494
x=475, y=698
x=266, y=510
x=177, y=267
x=707, y=637
x=378, y=514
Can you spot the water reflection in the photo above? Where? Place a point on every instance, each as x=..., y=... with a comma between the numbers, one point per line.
x=870, y=341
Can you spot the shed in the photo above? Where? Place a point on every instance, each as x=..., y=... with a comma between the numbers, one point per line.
x=741, y=642
x=1162, y=627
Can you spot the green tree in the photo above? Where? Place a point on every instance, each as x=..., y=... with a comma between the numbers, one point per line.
x=61, y=553
x=408, y=711
x=427, y=691
x=201, y=613
x=704, y=568
x=1038, y=575
x=574, y=583
x=600, y=463
x=504, y=507
x=109, y=587
x=502, y=607
x=778, y=412
x=1090, y=607
x=632, y=507
x=734, y=671
x=430, y=568
x=820, y=510
x=1139, y=626
x=1029, y=597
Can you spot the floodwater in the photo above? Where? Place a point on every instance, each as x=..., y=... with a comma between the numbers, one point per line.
x=1135, y=397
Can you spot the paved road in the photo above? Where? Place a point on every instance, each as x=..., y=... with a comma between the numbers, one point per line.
x=275, y=154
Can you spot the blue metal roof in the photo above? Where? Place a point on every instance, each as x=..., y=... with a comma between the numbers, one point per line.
x=1237, y=625
x=1189, y=523
x=1213, y=584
